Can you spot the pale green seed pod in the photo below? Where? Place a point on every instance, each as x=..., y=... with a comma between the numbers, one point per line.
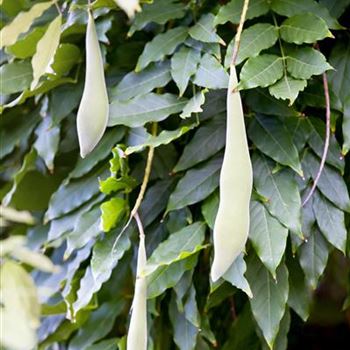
x=231, y=226
x=137, y=334
x=129, y=6
x=94, y=108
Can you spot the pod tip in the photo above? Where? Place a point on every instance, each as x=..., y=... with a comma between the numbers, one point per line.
x=214, y=273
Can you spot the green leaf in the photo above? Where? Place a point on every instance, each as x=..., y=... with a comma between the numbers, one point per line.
x=313, y=256
x=168, y=276
x=210, y=208
x=46, y=144
x=269, y=297
x=162, y=45
x=42, y=88
x=207, y=141
x=185, y=333
x=242, y=334
x=45, y=51
x=105, y=256
x=336, y=9
x=204, y=30
x=304, y=62
x=299, y=298
x=20, y=309
x=21, y=23
x=261, y=101
x=211, y=48
x=339, y=77
x=254, y=39
x=331, y=221
x=331, y=183
x=71, y=94
x=346, y=126
x=281, y=341
x=281, y=191
x=194, y=105
x=73, y=194
x=232, y=11
x=211, y=74
x=25, y=46
x=268, y=236
x=27, y=165
x=102, y=27
x=112, y=211
x=134, y=84
x=287, y=88
x=316, y=141
x=263, y=70
x=143, y=109
x=153, y=204
x=299, y=130
x=178, y=246
x=86, y=228
x=290, y=8
x=271, y=137
x=183, y=65
x=15, y=77
x=159, y=11
x=66, y=57
x=65, y=224
x=102, y=151
x=304, y=28
x=111, y=184
x=20, y=132
x=99, y=324
x=164, y=138
x=108, y=344
x=196, y=185
x=235, y=275
x=34, y=259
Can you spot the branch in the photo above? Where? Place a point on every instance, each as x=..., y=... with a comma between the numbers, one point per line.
x=144, y=181
x=326, y=141
x=239, y=32
x=146, y=176
x=57, y=7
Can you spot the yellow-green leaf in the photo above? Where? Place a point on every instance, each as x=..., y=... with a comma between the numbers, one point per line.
x=21, y=23
x=45, y=51
x=20, y=309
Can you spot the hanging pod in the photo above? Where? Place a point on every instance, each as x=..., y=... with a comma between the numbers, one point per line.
x=137, y=334
x=93, y=110
x=236, y=179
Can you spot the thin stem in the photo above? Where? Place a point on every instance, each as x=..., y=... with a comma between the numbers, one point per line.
x=239, y=32
x=146, y=175
x=57, y=7
x=134, y=213
x=280, y=46
x=232, y=308
x=194, y=93
x=326, y=141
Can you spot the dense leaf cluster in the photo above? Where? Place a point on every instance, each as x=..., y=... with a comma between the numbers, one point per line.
x=166, y=73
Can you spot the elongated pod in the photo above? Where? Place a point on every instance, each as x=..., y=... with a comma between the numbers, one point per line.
x=137, y=335
x=232, y=221
x=93, y=110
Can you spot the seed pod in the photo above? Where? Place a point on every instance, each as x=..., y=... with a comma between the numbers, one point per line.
x=129, y=6
x=236, y=179
x=137, y=335
x=93, y=110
